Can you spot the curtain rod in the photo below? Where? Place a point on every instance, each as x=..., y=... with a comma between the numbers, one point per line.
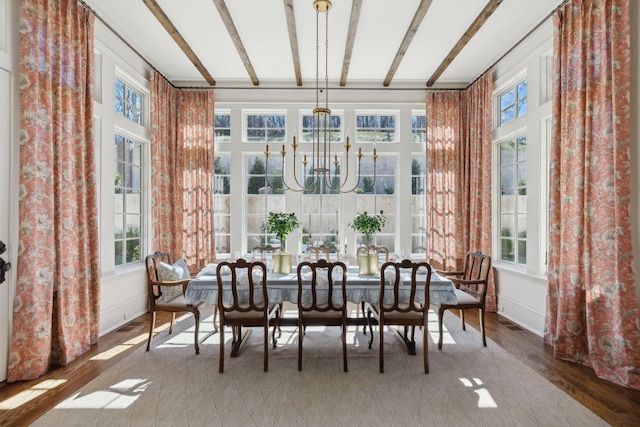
x=526, y=36
x=110, y=28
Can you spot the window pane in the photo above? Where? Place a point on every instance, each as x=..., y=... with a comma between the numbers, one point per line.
x=522, y=252
x=522, y=108
x=506, y=249
x=507, y=99
x=222, y=120
x=507, y=153
x=522, y=90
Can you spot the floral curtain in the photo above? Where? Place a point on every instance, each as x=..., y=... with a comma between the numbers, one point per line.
x=56, y=306
x=445, y=248
x=195, y=142
x=459, y=147
x=166, y=200
x=592, y=311
x=182, y=172
x=477, y=149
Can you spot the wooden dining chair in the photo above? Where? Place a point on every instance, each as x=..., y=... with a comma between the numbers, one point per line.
x=321, y=252
x=247, y=304
x=322, y=300
x=394, y=309
x=471, y=289
x=166, y=285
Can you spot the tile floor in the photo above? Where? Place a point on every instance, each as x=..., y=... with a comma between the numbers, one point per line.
x=468, y=385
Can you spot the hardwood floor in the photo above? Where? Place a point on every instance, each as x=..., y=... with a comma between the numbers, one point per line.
x=24, y=402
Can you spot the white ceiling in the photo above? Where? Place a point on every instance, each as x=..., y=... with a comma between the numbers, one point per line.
x=262, y=29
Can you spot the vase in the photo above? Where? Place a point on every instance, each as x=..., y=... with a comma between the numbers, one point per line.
x=282, y=263
x=367, y=264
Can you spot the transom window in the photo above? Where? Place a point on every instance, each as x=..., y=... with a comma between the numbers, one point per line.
x=222, y=127
x=513, y=102
x=128, y=102
x=376, y=127
x=128, y=230
x=419, y=127
x=335, y=131
x=513, y=200
x=265, y=128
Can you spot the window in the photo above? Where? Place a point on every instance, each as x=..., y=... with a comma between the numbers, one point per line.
x=128, y=102
x=513, y=102
x=376, y=128
x=513, y=200
x=320, y=220
x=419, y=127
x=128, y=230
x=260, y=199
x=222, y=204
x=335, y=129
x=418, y=205
x=265, y=128
x=379, y=195
x=222, y=127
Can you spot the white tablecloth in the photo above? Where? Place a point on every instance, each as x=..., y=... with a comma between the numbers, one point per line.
x=284, y=287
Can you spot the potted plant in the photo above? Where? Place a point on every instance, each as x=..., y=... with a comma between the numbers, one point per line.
x=281, y=224
x=368, y=225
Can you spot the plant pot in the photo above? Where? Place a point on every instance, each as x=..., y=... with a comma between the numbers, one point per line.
x=282, y=263
x=367, y=264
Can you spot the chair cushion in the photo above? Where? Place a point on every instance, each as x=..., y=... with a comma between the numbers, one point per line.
x=172, y=273
x=465, y=299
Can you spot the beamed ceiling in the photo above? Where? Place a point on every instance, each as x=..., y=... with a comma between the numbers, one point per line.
x=372, y=43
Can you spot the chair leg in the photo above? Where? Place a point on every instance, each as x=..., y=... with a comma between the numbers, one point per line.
x=276, y=326
x=484, y=339
x=173, y=318
x=266, y=347
x=440, y=315
x=300, y=336
x=196, y=315
x=152, y=325
x=462, y=319
x=370, y=327
x=221, y=363
x=381, y=345
x=364, y=328
x=344, y=346
x=425, y=340
x=215, y=314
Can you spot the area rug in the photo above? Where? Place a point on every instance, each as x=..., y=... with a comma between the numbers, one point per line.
x=468, y=384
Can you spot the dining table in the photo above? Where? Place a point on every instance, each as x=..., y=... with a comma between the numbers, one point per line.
x=360, y=289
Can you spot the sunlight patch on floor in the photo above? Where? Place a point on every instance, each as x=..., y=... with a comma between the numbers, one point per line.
x=119, y=396
x=485, y=400
x=28, y=395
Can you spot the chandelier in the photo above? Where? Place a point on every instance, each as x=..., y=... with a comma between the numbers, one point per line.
x=318, y=172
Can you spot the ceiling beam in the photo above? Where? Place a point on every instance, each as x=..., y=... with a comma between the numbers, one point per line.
x=293, y=40
x=408, y=37
x=177, y=37
x=471, y=31
x=235, y=37
x=351, y=37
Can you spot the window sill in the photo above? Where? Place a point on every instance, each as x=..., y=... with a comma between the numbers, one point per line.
x=517, y=269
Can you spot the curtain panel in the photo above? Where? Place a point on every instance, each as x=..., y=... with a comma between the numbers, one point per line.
x=56, y=306
x=592, y=311
x=182, y=172
x=445, y=248
x=476, y=159
x=459, y=153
